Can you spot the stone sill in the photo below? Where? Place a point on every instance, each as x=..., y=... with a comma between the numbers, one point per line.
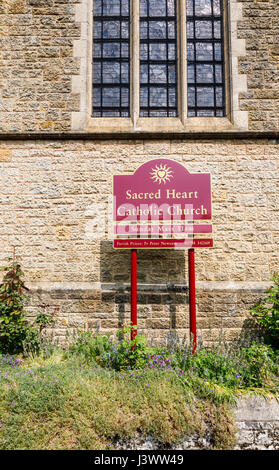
x=138, y=135
x=260, y=286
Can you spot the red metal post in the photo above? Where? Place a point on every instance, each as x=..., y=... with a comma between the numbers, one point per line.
x=134, y=293
x=192, y=296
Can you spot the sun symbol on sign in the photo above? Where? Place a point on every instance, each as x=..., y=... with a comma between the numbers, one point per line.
x=161, y=174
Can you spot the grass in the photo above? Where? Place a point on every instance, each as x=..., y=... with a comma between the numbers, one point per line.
x=88, y=398
x=63, y=404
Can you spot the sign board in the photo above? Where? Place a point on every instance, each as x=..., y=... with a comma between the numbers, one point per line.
x=162, y=206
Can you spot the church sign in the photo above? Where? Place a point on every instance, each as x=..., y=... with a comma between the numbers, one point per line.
x=162, y=206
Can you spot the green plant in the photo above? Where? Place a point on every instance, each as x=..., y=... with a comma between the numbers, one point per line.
x=43, y=320
x=266, y=313
x=127, y=353
x=16, y=333
x=12, y=316
x=233, y=366
x=89, y=346
x=121, y=354
x=260, y=365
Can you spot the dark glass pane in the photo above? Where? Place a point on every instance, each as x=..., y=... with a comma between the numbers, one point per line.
x=203, y=7
x=97, y=73
x=191, y=96
x=157, y=8
x=111, y=7
x=217, y=29
x=205, y=112
x=219, y=96
x=172, y=97
x=111, y=97
x=143, y=8
x=158, y=73
x=125, y=7
x=97, y=8
x=171, y=52
x=125, y=30
x=171, y=30
x=171, y=8
x=158, y=58
x=111, y=29
x=97, y=97
x=125, y=50
x=158, y=114
x=157, y=30
x=97, y=29
x=111, y=68
x=218, y=74
x=97, y=50
x=191, y=74
x=205, y=73
x=190, y=51
x=216, y=7
x=111, y=114
x=143, y=51
x=158, y=97
x=205, y=43
x=218, y=51
x=144, y=97
x=124, y=97
x=190, y=29
x=172, y=73
x=111, y=72
x=189, y=7
x=144, y=73
x=124, y=73
x=204, y=51
x=157, y=51
x=205, y=96
x=143, y=29
x=203, y=29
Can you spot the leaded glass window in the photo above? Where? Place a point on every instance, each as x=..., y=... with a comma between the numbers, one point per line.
x=205, y=58
x=111, y=58
x=141, y=51
x=158, y=58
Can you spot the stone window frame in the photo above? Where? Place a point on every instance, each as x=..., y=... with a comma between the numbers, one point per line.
x=235, y=83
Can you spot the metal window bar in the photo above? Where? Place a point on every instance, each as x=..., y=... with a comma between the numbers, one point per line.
x=111, y=71
x=197, y=88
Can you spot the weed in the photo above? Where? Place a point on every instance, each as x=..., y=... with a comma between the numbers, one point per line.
x=266, y=313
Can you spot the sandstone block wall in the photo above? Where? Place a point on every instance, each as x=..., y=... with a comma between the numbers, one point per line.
x=55, y=212
x=55, y=194
x=259, y=28
x=37, y=65
x=39, y=62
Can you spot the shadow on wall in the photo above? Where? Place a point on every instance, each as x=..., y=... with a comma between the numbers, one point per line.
x=162, y=284
x=154, y=266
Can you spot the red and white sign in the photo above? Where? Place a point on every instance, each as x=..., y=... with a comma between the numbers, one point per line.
x=158, y=204
x=167, y=243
